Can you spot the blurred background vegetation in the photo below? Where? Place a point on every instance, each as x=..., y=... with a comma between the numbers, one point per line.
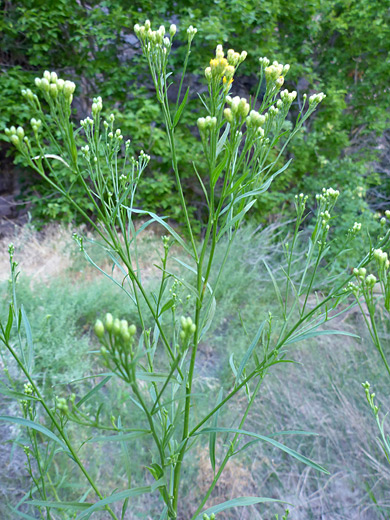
x=341, y=47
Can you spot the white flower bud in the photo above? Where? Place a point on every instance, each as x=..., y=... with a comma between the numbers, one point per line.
x=172, y=30
x=20, y=132
x=45, y=85
x=53, y=77
x=38, y=82
x=46, y=75
x=53, y=90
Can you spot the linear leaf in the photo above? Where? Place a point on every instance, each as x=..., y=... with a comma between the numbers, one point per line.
x=8, y=327
x=213, y=435
x=120, y=437
x=169, y=228
x=59, y=505
x=277, y=444
x=114, y=498
x=313, y=334
x=248, y=353
x=158, y=377
x=93, y=391
x=222, y=140
x=35, y=426
x=236, y=502
x=181, y=108
x=30, y=343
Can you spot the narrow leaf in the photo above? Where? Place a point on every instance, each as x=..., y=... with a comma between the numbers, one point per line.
x=35, y=426
x=237, y=502
x=30, y=343
x=120, y=437
x=248, y=353
x=313, y=334
x=181, y=108
x=213, y=435
x=122, y=495
x=59, y=505
x=93, y=391
x=277, y=444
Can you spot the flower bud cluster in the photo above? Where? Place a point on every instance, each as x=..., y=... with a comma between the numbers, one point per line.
x=288, y=97
x=255, y=120
x=62, y=405
x=35, y=124
x=16, y=135
x=53, y=86
x=188, y=328
x=191, y=31
x=156, y=41
x=370, y=397
x=381, y=258
x=300, y=203
x=206, y=124
x=239, y=109
x=97, y=106
x=275, y=73
x=225, y=68
x=264, y=62
x=328, y=195
x=315, y=99
x=356, y=228
x=368, y=281
x=207, y=517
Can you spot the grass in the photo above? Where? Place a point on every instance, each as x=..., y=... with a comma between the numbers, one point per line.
x=320, y=393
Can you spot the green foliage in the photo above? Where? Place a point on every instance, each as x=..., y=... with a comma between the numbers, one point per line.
x=340, y=47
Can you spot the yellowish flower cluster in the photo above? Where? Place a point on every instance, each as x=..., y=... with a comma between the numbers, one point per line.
x=224, y=68
x=276, y=72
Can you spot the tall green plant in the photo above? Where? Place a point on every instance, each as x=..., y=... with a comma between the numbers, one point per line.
x=156, y=357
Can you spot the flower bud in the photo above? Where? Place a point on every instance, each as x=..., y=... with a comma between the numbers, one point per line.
x=228, y=115
x=108, y=322
x=20, y=132
x=132, y=330
x=69, y=88
x=14, y=140
x=53, y=77
x=53, y=90
x=45, y=85
x=172, y=30
x=99, y=328
x=38, y=82
x=60, y=84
